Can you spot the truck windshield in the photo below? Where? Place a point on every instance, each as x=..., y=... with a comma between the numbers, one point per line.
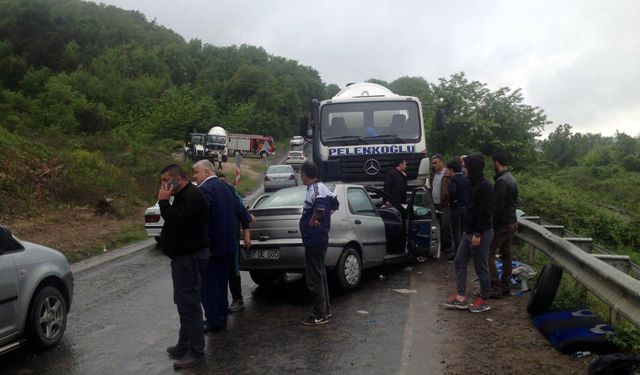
x=197, y=139
x=370, y=122
x=216, y=139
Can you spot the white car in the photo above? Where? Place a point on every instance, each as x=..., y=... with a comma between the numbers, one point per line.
x=295, y=158
x=278, y=177
x=296, y=141
x=153, y=221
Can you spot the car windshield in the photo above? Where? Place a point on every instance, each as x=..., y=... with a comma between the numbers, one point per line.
x=295, y=153
x=216, y=139
x=197, y=139
x=279, y=169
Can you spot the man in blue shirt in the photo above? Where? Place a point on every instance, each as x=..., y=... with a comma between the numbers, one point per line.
x=314, y=228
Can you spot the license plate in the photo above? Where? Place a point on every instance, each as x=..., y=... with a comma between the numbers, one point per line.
x=263, y=254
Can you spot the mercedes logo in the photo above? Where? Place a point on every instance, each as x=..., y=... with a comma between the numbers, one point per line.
x=371, y=167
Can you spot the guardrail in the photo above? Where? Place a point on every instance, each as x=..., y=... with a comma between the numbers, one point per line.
x=606, y=275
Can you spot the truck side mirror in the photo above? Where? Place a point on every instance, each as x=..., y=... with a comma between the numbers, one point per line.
x=440, y=119
x=315, y=112
x=303, y=127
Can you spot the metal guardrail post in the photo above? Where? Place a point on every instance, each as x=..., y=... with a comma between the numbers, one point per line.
x=617, y=289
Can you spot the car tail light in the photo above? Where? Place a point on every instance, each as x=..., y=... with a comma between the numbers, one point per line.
x=152, y=218
x=266, y=178
x=292, y=177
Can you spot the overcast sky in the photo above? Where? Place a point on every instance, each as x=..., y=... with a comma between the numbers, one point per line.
x=577, y=60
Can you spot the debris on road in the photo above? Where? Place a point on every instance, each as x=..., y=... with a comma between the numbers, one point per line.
x=406, y=291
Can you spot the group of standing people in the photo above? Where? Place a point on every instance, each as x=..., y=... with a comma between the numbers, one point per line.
x=478, y=222
x=200, y=235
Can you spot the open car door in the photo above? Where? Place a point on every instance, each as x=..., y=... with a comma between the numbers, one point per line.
x=423, y=228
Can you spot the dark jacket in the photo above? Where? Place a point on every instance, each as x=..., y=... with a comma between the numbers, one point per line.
x=477, y=217
x=186, y=223
x=505, y=197
x=225, y=210
x=459, y=190
x=395, y=184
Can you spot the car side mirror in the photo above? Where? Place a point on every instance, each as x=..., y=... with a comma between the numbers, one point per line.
x=7, y=242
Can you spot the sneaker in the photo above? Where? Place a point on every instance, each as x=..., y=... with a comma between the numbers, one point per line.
x=311, y=315
x=479, y=306
x=454, y=303
x=236, y=305
x=451, y=259
x=313, y=321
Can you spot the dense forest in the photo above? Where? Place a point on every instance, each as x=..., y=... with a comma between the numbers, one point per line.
x=94, y=99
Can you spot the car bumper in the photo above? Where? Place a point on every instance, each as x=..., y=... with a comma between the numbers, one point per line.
x=290, y=257
x=68, y=282
x=153, y=230
x=274, y=185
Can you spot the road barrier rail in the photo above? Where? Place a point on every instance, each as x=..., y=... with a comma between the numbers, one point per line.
x=608, y=276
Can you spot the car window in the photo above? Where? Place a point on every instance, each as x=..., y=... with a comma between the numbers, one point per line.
x=285, y=197
x=359, y=202
x=8, y=243
x=421, y=205
x=279, y=169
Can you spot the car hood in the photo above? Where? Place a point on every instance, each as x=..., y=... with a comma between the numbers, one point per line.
x=40, y=253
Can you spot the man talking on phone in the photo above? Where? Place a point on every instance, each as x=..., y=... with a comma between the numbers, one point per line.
x=185, y=239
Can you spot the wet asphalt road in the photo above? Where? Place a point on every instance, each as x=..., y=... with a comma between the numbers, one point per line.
x=123, y=318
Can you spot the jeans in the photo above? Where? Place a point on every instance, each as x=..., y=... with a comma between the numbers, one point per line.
x=457, y=217
x=186, y=273
x=234, y=278
x=480, y=257
x=501, y=244
x=316, y=278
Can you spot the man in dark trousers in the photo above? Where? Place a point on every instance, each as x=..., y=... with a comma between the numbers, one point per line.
x=224, y=212
x=315, y=224
x=395, y=181
x=476, y=241
x=505, y=225
x=184, y=238
x=458, y=198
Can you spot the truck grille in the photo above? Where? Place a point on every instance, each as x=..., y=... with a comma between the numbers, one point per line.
x=352, y=168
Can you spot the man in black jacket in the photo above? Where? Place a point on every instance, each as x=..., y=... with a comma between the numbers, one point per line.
x=505, y=225
x=476, y=240
x=395, y=181
x=185, y=239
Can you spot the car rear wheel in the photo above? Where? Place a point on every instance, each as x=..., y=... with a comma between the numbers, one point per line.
x=265, y=277
x=348, y=272
x=47, y=318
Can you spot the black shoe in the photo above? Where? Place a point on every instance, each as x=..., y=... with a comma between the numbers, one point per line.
x=177, y=351
x=496, y=294
x=312, y=315
x=189, y=360
x=451, y=258
x=209, y=328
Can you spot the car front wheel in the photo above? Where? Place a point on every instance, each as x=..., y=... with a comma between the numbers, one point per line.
x=348, y=272
x=47, y=318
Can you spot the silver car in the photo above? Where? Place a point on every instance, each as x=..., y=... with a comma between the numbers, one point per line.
x=36, y=288
x=364, y=233
x=278, y=177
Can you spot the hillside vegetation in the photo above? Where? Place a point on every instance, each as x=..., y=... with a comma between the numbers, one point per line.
x=95, y=100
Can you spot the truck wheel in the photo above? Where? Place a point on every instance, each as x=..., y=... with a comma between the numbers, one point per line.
x=263, y=154
x=348, y=272
x=225, y=158
x=546, y=288
x=47, y=318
